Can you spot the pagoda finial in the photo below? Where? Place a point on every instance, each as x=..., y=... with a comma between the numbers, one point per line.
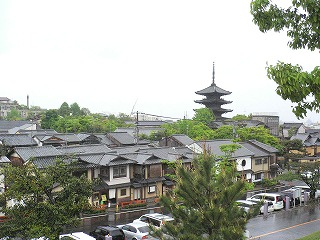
x=213, y=75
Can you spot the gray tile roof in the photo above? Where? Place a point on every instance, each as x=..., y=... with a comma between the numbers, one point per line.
x=26, y=153
x=43, y=162
x=38, y=132
x=143, y=158
x=291, y=125
x=170, y=153
x=114, y=159
x=6, y=125
x=258, y=152
x=213, y=147
x=103, y=138
x=17, y=140
x=212, y=89
x=4, y=159
x=86, y=148
x=124, y=138
x=301, y=136
x=17, y=129
x=264, y=146
x=183, y=139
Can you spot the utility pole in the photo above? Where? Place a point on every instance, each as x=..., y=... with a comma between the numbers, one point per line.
x=137, y=129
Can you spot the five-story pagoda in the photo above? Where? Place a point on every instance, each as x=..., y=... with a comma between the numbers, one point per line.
x=213, y=99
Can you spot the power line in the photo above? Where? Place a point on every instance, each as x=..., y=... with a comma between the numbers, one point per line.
x=153, y=115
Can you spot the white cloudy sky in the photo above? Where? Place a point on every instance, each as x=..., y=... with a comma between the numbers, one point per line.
x=109, y=56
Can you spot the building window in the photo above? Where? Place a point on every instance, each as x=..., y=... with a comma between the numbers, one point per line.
x=265, y=160
x=119, y=171
x=258, y=176
x=152, y=189
x=258, y=161
x=123, y=192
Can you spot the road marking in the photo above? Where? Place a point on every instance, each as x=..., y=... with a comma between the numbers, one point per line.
x=284, y=229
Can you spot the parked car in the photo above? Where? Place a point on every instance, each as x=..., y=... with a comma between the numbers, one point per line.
x=76, y=235
x=247, y=205
x=156, y=219
x=136, y=231
x=275, y=198
x=101, y=231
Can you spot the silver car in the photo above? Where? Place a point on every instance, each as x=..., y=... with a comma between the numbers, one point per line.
x=136, y=231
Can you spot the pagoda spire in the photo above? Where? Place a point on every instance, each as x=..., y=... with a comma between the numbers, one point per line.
x=213, y=75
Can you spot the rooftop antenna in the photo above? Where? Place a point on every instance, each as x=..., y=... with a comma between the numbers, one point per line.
x=133, y=107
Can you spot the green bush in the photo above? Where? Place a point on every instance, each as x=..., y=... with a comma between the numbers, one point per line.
x=135, y=205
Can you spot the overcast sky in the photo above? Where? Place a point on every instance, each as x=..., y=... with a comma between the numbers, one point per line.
x=147, y=56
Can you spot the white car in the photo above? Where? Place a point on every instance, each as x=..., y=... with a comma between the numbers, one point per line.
x=76, y=235
x=136, y=231
x=247, y=205
x=156, y=219
x=275, y=198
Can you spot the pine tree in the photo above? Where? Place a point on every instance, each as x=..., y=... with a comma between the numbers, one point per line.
x=203, y=201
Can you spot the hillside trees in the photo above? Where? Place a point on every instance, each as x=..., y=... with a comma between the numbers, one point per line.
x=301, y=21
x=46, y=199
x=73, y=119
x=203, y=201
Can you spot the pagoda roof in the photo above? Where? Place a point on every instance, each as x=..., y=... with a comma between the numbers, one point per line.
x=206, y=100
x=213, y=88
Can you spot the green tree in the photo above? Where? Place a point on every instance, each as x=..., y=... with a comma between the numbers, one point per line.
x=312, y=180
x=301, y=21
x=13, y=115
x=75, y=109
x=194, y=129
x=203, y=201
x=64, y=110
x=49, y=119
x=239, y=133
x=203, y=115
x=41, y=210
x=241, y=117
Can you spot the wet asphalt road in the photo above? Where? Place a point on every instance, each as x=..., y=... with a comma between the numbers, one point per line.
x=286, y=224
x=289, y=224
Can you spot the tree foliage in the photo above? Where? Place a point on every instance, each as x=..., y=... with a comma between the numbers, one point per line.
x=301, y=21
x=13, y=115
x=203, y=201
x=41, y=209
x=241, y=117
x=203, y=115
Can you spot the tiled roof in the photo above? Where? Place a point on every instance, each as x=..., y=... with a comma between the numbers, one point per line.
x=183, y=139
x=301, y=136
x=6, y=125
x=4, y=159
x=68, y=137
x=213, y=146
x=17, y=129
x=92, y=158
x=212, y=89
x=264, y=146
x=143, y=158
x=291, y=125
x=258, y=152
x=123, y=138
x=39, y=132
x=86, y=148
x=103, y=138
x=114, y=159
x=43, y=162
x=17, y=140
x=26, y=153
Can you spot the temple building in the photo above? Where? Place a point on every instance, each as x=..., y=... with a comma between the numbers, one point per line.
x=213, y=99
